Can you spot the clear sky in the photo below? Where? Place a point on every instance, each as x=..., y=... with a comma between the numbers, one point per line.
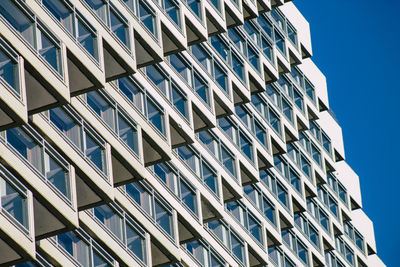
x=356, y=45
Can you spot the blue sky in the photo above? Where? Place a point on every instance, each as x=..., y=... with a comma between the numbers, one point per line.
x=355, y=44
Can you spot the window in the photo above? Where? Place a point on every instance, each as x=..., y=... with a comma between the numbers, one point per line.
x=81, y=135
x=102, y=107
x=237, y=247
x=309, y=88
x=221, y=47
x=179, y=100
x=267, y=49
x=210, y=177
x=305, y=166
x=280, y=43
x=13, y=198
x=282, y=194
x=287, y=110
x=95, y=152
x=292, y=35
x=203, y=253
x=298, y=100
x=67, y=125
x=210, y=141
x=314, y=235
x=190, y=157
x=237, y=39
x=188, y=195
x=252, y=32
x=266, y=25
x=132, y=91
x=84, y=249
x=75, y=24
x=112, y=219
x=295, y=180
x=228, y=160
x=177, y=184
x=148, y=17
x=246, y=218
x=117, y=23
x=274, y=121
x=180, y=65
x=220, y=77
x=316, y=154
x=246, y=146
x=253, y=58
x=201, y=89
x=237, y=66
x=127, y=132
x=119, y=26
x=158, y=78
x=9, y=67
x=171, y=7
x=229, y=128
x=326, y=143
x=261, y=134
x=195, y=6
x=32, y=147
x=202, y=56
x=153, y=204
x=113, y=115
x=155, y=114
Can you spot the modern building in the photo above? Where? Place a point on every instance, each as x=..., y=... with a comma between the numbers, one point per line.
x=171, y=133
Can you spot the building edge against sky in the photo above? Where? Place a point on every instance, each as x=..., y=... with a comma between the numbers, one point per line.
x=171, y=133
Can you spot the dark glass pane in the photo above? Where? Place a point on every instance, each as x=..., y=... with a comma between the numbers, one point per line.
x=9, y=71
x=119, y=28
x=57, y=175
x=87, y=38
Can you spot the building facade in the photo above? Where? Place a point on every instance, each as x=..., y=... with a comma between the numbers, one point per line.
x=171, y=133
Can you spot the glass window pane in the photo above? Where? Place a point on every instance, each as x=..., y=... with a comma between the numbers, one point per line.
x=67, y=125
x=100, y=8
x=9, y=71
x=201, y=89
x=95, y=153
x=75, y=247
x=210, y=178
x=133, y=92
x=102, y=107
x=128, y=134
x=190, y=158
x=220, y=47
x=49, y=50
x=147, y=17
x=220, y=77
x=61, y=12
x=87, y=38
x=135, y=243
x=57, y=175
x=18, y=19
x=155, y=116
x=179, y=101
x=237, y=248
x=142, y=197
x=163, y=217
x=14, y=203
x=27, y=147
x=228, y=161
x=172, y=10
x=119, y=27
x=188, y=196
x=111, y=220
x=166, y=175
x=180, y=66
